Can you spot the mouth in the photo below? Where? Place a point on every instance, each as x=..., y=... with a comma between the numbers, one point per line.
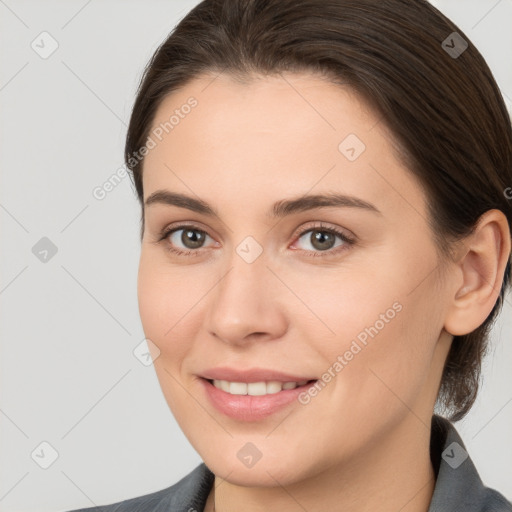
x=253, y=401
x=262, y=388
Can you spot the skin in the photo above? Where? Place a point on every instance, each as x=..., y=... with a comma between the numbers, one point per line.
x=361, y=444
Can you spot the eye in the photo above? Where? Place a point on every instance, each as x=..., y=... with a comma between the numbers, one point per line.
x=190, y=237
x=322, y=239
x=320, y=242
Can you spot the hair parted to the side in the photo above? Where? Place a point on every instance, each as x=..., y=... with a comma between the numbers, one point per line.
x=446, y=114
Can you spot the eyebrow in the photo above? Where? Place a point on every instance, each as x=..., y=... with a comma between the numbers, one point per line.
x=278, y=210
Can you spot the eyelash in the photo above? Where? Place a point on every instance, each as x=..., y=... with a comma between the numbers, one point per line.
x=195, y=252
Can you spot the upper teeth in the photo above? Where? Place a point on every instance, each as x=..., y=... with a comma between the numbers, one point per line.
x=255, y=388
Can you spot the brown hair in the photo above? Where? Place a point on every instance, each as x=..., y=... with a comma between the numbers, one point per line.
x=445, y=110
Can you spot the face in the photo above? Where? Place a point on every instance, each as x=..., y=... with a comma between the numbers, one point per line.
x=346, y=293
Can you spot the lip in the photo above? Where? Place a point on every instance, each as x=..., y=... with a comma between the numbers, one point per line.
x=251, y=375
x=248, y=407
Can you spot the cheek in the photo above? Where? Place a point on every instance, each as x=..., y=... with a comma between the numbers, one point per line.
x=343, y=305
x=167, y=295
x=162, y=306
x=374, y=334
x=389, y=372
x=166, y=298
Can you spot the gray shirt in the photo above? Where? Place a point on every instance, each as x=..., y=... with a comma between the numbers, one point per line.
x=458, y=486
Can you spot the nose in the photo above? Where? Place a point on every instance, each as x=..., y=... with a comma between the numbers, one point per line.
x=247, y=304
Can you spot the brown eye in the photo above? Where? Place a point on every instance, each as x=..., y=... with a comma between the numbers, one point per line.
x=184, y=240
x=322, y=239
x=192, y=238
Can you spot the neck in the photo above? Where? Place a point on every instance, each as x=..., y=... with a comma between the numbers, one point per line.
x=396, y=474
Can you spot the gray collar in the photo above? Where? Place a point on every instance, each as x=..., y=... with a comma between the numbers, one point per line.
x=458, y=484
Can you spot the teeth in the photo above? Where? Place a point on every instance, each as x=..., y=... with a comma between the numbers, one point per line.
x=255, y=388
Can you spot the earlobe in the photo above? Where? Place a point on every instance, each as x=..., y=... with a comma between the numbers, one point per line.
x=482, y=268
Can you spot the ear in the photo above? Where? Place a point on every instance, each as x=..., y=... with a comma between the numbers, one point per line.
x=481, y=270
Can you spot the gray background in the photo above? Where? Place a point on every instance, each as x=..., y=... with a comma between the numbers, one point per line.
x=68, y=374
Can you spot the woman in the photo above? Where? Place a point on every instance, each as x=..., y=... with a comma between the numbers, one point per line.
x=326, y=237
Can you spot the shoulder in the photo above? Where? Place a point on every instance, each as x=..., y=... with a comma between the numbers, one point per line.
x=187, y=495
x=458, y=484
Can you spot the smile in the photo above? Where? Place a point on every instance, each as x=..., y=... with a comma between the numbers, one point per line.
x=253, y=401
x=255, y=388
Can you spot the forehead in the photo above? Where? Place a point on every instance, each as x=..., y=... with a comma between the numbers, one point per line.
x=290, y=132
x=298, y=102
